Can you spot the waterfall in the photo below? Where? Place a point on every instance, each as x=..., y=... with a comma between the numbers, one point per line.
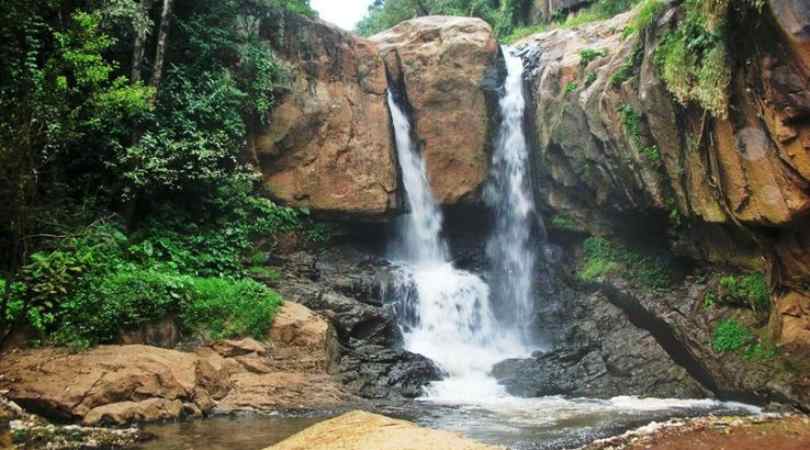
x=509, y=194
x=446, y=313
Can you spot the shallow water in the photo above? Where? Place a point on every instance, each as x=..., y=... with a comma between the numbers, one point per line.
x=521, y=424
x=227, y=433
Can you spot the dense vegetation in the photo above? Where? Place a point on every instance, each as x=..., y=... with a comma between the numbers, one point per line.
x=124, y=192
x=509, y=18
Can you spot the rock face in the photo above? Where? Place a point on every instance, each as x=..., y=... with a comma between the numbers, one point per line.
x=448, y=67
x=367, y=356
x=597, y=351
x=365, y=431
x=328, y=144
x=736, y=186
x=136, y=383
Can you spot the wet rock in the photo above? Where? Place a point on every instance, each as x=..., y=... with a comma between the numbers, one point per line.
x=366, y=354
x=328, y=145
x=600, y=354
x=444, y=63
x=365, y=431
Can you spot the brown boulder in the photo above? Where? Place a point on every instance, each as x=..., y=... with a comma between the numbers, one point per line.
x=328, y=145
x=360, y=430
x=136, y=383
x=65, y=385
x=793, y=322
x=444, y=63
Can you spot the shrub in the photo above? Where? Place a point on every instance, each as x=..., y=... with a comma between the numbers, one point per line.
x=730, y=336
x=223, y=308
x=570, y=87
x=590, y=78
x=109, y=303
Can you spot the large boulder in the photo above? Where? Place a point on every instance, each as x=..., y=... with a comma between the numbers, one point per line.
x=448, y=68
x=137, y=383
x=360, y=430
x=327, y=145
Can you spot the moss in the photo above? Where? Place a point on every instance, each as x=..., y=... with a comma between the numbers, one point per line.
x=628, y=69
x=604, y=257
x=564, y=222
x=631, y=120
x=647, y=15
x=570, y=87
x=693, y=59
x=751, y=290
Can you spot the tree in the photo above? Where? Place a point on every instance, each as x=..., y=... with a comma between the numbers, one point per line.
x=163, y=36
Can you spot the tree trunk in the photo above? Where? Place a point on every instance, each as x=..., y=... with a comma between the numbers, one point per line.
x=140, y=41
x=163, y=37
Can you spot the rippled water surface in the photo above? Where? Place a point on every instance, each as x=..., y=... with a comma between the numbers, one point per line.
x=521, y=424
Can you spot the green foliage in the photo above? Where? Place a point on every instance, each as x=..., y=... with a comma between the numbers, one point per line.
x=730, y=336
x=587, y=55
x=628, y=69
x=570, y=87
x=519, y=33
x=631, y=120
x=603, y=257
x=222, y=308
x=590, y=78
x=505, y=16
x=693, y=59
x=761, y=351
x=651, y=153
x=564, y=222
x=648, y=12
x=749, y=290
x=709, y=300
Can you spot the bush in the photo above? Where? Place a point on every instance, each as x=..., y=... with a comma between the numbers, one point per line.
x=222, y=308
x=211, y=307
x=730, y=336
x=107, y=304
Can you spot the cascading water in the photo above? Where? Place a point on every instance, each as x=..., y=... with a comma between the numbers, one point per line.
x=509, y=194
x=445, y=312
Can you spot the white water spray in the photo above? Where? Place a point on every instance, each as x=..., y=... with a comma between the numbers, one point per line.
x=509, y=194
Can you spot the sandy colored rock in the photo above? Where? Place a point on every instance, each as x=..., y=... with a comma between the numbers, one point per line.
x=152, y=410
x=297, y=326
x=328, y=144
x=360, y=430
x=444, y=63
x=793, y=318
x=137, y=383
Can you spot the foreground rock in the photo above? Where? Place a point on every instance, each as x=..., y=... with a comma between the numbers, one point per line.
x=448, y=68
x=328, y=145
x=26, y=431
x=365, y=431
x=136, y=383
x=712, y=433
